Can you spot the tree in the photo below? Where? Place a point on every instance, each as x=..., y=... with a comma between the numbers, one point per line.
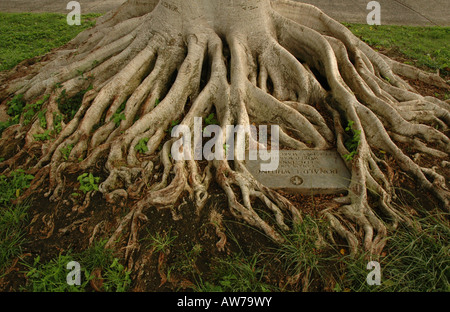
x=150, y=63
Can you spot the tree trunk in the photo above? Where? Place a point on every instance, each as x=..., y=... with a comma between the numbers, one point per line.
x=250, y=62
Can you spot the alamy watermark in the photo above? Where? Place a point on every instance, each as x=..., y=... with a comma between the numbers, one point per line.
x=74, y=276
x=374, y=17
x=74, y=17
x=374, y=276
x=230, y=145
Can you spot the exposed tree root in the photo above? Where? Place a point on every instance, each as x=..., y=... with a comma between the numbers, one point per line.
x=252, y=62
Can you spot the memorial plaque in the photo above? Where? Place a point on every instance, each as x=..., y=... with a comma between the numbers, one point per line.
x=304, y=172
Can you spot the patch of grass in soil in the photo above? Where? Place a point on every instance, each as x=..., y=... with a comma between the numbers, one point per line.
x=27, y=35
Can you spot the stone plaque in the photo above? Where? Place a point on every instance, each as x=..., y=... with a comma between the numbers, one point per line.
x=304, y=172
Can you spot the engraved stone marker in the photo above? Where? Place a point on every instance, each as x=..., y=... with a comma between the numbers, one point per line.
x=305, y=172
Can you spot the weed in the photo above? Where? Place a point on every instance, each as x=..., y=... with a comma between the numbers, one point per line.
x=16, y=105
x=116, y=277
x=415, y=259
x=42, y=136
x=52, y=276
x=65, y=151
x=172, y=125
x=211, y=119
x=141, y=147
x=57, y=123
x=15, y=108
x=88, y=182
x=118, y=116
x=161, y=242
x=11, y=186
x=237, y=273
x=353, y=142
x=42, y=120
x=30, y=110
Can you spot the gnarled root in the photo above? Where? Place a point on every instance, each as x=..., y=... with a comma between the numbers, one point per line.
x=280, y=63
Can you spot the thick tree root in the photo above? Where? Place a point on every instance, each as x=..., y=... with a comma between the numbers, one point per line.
x=281, y=63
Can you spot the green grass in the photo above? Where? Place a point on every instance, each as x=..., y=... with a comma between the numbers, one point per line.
x=426, y=46
x=237, y=273
x=51, y=276
x=26, y=35
x=416, y=259
x=13, y=217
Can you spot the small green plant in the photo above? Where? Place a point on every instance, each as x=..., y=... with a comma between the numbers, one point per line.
x=353, y=142
x=225, y=148
x=15, y=108
x=115, y=276
x=211, y=119
x=30, y=110
x=42, y=120
x=88, y=182
x=161, y=242
x=172, y=125
x=52, y=276
x=16, y=105
x=157, y=101
x=42, y=136
x=57, y=123
x=12, y=186
x=187, y=264
x=302, y=254
x=141, y=147
x=118, y=116
x=65, y=151
x=237, y=273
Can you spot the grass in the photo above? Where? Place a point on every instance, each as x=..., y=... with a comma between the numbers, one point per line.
x=51, y=276
x=26, y=35
x=237, y=273
x=426, y=47
x=416, y=259
x=13, y=217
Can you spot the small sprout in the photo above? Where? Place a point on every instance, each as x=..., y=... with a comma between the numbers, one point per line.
x=141, y=147
x=88, y=182
x=65, y=151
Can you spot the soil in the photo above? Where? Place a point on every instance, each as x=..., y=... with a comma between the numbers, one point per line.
x=54, y=229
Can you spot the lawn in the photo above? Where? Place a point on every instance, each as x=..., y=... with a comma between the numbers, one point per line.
x=424, y=47
x=26, y=35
